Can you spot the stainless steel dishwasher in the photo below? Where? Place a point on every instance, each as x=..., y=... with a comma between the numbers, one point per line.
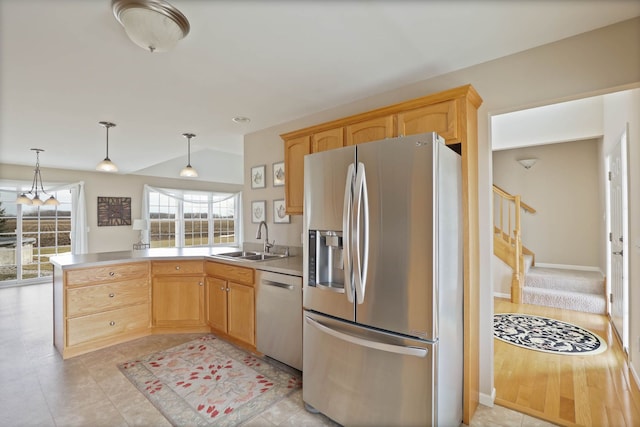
x=279, y=317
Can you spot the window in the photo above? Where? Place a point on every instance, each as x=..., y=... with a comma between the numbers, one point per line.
x=179, y=218
x=30, y=235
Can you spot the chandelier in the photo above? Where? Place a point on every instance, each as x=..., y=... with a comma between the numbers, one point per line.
x=36, y=187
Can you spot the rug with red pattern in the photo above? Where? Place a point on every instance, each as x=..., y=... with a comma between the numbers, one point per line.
x=209, y=382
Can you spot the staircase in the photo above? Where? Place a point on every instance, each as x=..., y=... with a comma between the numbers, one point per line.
x=552, y=287
x=507, y=241
x=562, y=288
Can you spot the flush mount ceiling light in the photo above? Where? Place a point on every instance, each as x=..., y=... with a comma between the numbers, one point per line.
x=37, y=182
x=527, y=163
x=154, y=25
x=188, y=171
x=107, y=165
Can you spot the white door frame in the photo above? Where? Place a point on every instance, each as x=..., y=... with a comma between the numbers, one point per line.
x=618, y=238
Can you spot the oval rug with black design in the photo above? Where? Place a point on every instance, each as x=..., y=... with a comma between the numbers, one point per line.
x=545, y=334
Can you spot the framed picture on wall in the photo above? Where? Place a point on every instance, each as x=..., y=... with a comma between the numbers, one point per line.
x=114, y=211
x=258, y=178
x=279, y=213
x=278, y=174
x=258, y=211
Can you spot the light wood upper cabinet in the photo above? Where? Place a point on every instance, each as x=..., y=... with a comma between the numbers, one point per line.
x=327, y=140
x=294, y=152
x=370, y=130
x=440, y=118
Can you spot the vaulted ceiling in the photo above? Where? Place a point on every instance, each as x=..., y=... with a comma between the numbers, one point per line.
x=65, y=65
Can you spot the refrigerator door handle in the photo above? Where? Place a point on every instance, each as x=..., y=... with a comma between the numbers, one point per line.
x=361, y=258
x=390, y=348
x=346, y=233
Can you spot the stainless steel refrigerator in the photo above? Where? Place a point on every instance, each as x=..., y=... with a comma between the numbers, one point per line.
x=382, y=292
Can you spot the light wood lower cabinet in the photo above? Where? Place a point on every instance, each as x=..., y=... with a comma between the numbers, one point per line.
x=177, y=289
x=101, y=306
x=97, y=307
x=231, y=301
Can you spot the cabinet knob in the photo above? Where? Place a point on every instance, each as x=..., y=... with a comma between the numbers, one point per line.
x=200, y=283
x=222, y=288
x=111, y=273
x=228, y=289
x=112, y=323
x=177, y=267
x=112, y=295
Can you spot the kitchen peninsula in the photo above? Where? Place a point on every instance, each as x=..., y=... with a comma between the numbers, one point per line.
x=103, y=299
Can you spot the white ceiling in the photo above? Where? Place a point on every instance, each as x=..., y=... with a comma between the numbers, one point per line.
x=65, y=65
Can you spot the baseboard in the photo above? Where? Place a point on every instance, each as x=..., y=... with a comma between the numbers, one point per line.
x=487, y=400
x=634, y=375
x=570, y=267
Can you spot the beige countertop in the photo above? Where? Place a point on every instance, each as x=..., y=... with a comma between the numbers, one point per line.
x=288, y=265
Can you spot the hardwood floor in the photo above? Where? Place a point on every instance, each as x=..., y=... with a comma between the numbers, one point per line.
x=590, y=390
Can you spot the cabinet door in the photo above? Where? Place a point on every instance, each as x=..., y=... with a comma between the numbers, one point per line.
x=327, y=140
x=294, y=152
x=217, y=303
x=241, y=318
x=440, y=118
x=178, y=301
x=370, y=130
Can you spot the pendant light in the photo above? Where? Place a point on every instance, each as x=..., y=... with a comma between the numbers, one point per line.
x=107, y=165
x=188, y=171
x=37, y=182
x=154, y=25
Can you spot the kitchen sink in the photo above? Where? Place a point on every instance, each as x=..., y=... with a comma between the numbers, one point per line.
x=250, y=256
x=238, y=254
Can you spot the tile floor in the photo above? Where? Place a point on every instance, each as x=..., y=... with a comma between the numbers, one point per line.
x=38, y=388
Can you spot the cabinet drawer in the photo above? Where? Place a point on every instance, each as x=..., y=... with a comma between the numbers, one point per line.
x=106, y=274
x=231, y=272
x=177, y=267
x=89, y=299
x=107, y=324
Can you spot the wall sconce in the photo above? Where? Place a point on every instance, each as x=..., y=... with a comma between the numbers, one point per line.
x=154, y=25
x=23, y=199
x=188, y=171
x=527, y=163
x=107, y=165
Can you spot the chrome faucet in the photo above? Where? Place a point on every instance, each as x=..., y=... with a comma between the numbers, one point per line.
x=267, y=244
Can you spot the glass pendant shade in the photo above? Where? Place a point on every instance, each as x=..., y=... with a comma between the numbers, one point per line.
x=36, y=187
x=188, y=171
x=23, y=200
x=107, y=165
x=154, y=25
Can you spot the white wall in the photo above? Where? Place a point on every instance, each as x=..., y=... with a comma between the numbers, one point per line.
x=108, y=239
x=563, y=188
x=573, y=68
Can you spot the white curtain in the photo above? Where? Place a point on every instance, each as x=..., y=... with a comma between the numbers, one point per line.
x=79, y=233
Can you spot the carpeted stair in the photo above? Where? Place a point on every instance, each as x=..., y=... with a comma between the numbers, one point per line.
x=571, y=289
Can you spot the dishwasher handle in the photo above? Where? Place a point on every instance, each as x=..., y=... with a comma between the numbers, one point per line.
x=276, y=284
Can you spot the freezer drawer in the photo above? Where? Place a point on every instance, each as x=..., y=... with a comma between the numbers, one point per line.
x=359, y=376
